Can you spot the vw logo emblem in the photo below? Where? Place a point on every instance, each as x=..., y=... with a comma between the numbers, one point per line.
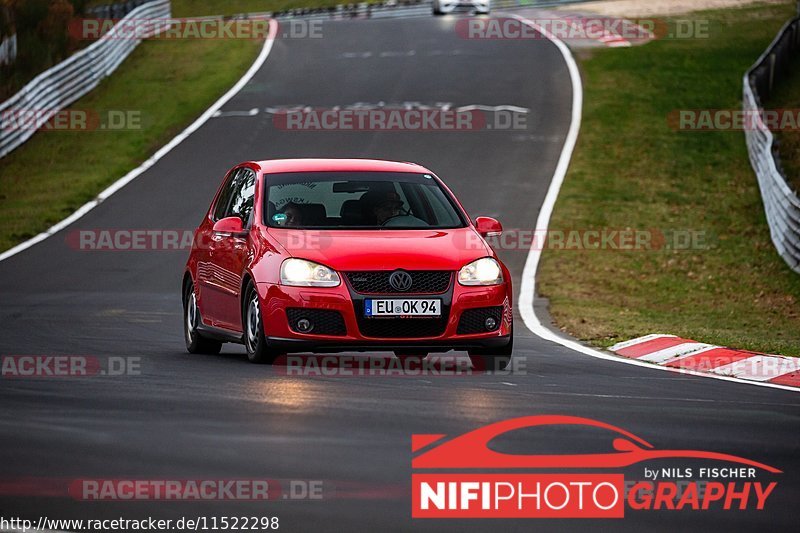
x=400, y=280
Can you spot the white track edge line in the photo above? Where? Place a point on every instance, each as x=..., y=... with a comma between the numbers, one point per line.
x=528, y=284
x=130, y=176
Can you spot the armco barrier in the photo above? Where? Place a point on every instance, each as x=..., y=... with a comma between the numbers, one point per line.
x=395, y=8
x=781, y=204
x=59, y=86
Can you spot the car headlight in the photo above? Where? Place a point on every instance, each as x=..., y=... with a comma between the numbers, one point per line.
x=484, y=271
x=302, y=273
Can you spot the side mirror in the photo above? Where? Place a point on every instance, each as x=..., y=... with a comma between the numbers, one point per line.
x=229, y=225
x=488, y=227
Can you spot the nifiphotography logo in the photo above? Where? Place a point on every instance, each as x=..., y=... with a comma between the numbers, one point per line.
x=590, y=485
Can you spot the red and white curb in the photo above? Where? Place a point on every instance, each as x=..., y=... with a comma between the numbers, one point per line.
x=583, y=25
x=689, y=355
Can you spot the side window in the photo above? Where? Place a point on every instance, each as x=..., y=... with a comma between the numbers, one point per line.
x=237, y=197
x=242, y=202
x=225, y=195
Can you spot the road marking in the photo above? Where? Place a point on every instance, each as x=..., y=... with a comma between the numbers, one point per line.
x=661, y=399
x=407, y=53
x=356, y=55
x=527, y=294
x=133, y=174
x=250, y=113
x=389, y=106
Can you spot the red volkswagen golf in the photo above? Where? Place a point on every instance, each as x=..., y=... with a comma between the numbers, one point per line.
x=330, y=255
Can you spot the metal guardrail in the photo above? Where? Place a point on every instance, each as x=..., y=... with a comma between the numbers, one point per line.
x=59, y=86
x=115, y=10
x=396, y=8
x=781, y=203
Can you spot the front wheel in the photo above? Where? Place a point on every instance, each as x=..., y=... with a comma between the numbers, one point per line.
x=254, y=339
x=195, y=342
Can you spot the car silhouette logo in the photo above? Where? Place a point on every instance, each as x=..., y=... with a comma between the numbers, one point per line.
x=471, y=450
x=400, y=280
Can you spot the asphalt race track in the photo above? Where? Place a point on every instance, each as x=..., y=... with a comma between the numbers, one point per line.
x=215, y=417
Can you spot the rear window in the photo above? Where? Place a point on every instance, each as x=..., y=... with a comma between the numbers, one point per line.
x=358, y=200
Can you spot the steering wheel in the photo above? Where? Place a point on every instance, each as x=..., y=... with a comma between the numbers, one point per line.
x=395, y=216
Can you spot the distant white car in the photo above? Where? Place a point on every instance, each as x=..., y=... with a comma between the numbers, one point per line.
x=480, y=7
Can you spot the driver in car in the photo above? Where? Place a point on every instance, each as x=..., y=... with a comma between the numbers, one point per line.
x=384, y=205
x=294, y=214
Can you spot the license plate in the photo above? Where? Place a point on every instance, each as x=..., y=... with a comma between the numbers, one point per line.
x=402, y=308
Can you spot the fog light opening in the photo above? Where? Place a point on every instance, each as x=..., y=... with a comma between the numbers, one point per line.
x=304, y=325
x=491, y=324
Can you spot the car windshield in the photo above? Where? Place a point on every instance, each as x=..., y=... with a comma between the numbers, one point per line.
x=358, y=200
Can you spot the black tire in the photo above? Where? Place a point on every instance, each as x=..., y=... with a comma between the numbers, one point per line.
x=195, y=341
x=437, y=13
x=255, y=342
x=492, y=359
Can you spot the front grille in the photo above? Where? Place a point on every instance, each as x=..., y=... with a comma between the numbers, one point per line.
x=326, y=321
x=396, y=328
x=473, y=320
x=422, y=282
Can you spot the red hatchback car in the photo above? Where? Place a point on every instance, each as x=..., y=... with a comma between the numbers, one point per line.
x=330, y=255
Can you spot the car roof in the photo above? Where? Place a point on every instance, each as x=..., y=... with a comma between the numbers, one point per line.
x=272, y=166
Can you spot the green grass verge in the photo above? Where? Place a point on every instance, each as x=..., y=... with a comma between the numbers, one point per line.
x=169, y=83
x=631, y=170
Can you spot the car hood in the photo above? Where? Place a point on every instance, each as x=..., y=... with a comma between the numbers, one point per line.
x=348, y=250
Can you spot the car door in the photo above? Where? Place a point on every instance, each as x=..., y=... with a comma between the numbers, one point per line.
x=207, y=277
x=230, y=253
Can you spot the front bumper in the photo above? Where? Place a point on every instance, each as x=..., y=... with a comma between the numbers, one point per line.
x=327, y=346
x=276, y=299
